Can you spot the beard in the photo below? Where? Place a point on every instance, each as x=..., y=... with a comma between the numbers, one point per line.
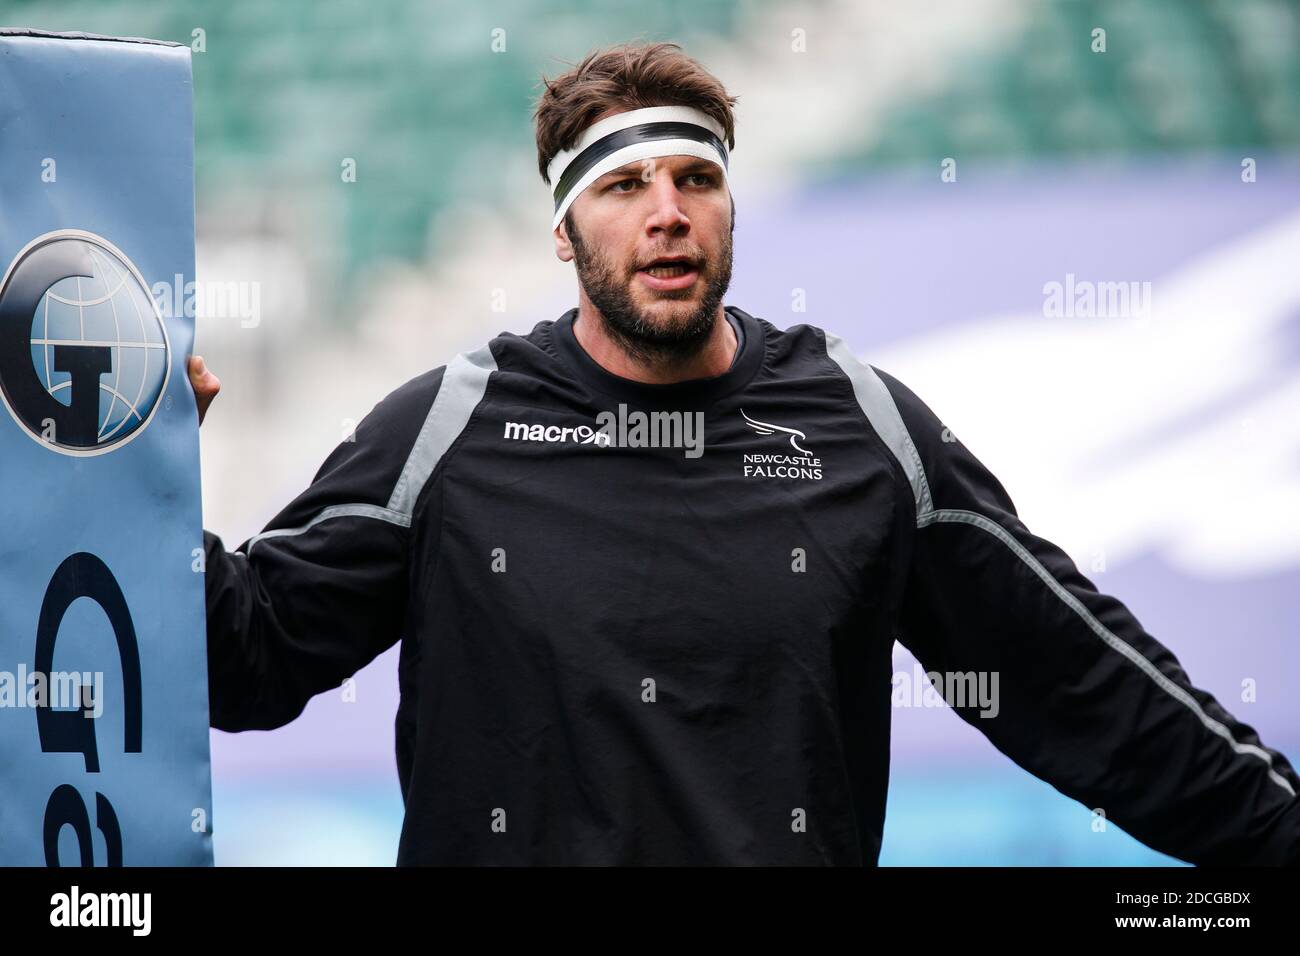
x=651, y=342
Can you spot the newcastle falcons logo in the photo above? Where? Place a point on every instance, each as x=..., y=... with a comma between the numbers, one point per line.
x=764, y=428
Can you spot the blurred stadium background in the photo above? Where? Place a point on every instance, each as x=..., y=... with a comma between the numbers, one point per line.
x=1159, y=448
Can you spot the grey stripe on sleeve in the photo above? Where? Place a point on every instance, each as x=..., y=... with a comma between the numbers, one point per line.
x=1112, y=640
x=463, y=386
x=336, y=511
x=878, y=405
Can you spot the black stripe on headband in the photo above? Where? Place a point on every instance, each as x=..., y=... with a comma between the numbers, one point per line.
x=641, y=133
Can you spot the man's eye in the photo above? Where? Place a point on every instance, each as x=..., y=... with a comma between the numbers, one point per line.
x=707, y=179
x=622, y=182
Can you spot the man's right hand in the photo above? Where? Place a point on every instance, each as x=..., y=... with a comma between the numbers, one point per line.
x=205, y=384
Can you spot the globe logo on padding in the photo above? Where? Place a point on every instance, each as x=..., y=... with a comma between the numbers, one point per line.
x=84, y=356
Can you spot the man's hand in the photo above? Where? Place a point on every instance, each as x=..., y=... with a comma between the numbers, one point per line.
x=205, y=384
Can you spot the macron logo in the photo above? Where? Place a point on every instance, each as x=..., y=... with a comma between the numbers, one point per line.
x=582, y=434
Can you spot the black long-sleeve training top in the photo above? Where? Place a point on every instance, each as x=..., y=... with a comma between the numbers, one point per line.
x=653, y=624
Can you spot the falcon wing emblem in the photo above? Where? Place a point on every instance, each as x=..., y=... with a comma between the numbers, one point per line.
x=763, y=428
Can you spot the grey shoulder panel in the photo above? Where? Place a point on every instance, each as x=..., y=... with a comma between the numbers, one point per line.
x=463, y=385
x=881, y=412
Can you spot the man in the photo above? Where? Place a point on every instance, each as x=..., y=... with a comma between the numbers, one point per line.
x=647, y=564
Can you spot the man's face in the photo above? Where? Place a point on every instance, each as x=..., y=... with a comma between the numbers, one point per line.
x=662, y=208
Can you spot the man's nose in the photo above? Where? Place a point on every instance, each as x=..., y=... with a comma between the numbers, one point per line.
x=668, y=214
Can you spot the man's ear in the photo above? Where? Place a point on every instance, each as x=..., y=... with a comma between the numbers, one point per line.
x=563, y=248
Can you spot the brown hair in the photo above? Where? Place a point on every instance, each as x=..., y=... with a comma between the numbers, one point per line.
x=625, y=77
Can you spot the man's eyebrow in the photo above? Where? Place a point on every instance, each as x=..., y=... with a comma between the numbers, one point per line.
x=634, y=168
x=625, y=170
x=700, y=165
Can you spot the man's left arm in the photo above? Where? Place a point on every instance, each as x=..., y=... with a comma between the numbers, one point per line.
x=1088, y=700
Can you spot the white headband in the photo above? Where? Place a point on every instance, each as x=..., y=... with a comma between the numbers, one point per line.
x=626, y=137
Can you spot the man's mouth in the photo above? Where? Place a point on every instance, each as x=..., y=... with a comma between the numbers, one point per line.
x=668, y=268
x=670, y=272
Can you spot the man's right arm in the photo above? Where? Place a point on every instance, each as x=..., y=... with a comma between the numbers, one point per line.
x=1083, y=696
x=322, y=590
